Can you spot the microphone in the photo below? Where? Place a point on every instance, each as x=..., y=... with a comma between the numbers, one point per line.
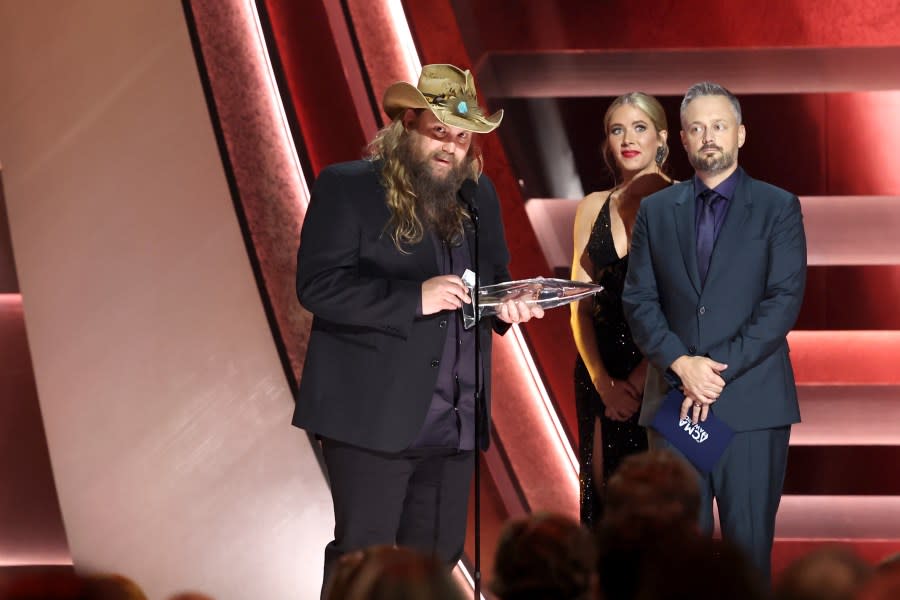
x=467, y=192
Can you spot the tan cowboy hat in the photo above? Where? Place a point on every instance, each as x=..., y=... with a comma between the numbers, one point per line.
x=448, y=92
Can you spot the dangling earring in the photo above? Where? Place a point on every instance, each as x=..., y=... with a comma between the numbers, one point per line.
x=661, y=153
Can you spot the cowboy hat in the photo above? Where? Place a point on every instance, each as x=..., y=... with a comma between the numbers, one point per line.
x=448, y=92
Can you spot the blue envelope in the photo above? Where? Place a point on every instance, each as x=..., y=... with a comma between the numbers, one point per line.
x=702, y=444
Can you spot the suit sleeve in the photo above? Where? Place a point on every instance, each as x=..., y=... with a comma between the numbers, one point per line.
x=640, y=299
x=776, y=314
x=329, y=283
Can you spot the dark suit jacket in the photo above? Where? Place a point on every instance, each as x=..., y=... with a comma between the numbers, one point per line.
x=370, y=367
x=741, y=317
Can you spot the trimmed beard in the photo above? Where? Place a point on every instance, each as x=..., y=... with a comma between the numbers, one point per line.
x=437, y=204
x=714, y=163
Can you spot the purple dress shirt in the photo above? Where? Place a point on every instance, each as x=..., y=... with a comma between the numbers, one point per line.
x=450, y=422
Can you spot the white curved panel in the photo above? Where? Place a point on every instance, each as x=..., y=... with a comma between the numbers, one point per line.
x=165, y=404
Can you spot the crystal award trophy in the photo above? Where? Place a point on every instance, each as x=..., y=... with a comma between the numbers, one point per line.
x=545, y=292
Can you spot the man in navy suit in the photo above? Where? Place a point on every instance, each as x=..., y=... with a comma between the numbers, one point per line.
x=389, y=381
x=715, y=282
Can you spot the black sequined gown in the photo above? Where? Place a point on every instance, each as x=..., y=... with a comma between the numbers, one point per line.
x=620, y=356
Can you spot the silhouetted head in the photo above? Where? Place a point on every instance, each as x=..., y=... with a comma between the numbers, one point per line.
x=389, y=573
x=545, y=556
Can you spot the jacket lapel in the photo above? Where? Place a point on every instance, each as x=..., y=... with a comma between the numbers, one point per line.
x=425, y=255
x=687, y=234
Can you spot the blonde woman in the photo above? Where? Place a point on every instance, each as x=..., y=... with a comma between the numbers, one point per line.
x=609, y=372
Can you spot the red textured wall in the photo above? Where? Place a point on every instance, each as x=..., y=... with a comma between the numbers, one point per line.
x=537, y=25
x=272, y=201
x=316, y=82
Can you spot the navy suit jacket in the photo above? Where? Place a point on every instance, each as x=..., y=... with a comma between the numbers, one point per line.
x=370, y=368
x=741, y=316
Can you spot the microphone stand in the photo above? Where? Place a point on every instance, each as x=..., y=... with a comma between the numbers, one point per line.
x=467, y=193
x=476, y=573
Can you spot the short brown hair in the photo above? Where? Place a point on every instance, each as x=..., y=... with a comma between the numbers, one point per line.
x=546, y=555
x=653, y=489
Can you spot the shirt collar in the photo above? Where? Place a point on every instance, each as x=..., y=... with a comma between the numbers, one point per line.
x=724, y=189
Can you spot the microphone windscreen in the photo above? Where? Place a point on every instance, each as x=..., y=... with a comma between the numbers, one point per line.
x=467, y=192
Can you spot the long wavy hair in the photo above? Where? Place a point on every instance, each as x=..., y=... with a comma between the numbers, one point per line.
x=406, y=224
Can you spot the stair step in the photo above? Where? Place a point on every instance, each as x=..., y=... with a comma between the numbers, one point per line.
x=846, y=357
x=838, y=518
x=843, y=470
x=851, y=230
x=848, y=414
x=875, y=290
x=847, y=442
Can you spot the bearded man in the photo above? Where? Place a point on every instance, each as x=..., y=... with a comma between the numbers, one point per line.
x=715, y=282
x=388, y=385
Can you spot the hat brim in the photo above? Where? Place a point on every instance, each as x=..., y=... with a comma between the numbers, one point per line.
x=402, y=95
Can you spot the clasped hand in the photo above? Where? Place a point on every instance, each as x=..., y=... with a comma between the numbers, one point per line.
x=621, y=398
x=701, y=382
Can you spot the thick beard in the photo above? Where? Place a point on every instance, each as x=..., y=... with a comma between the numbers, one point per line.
x=712, y=164
x=436, y=200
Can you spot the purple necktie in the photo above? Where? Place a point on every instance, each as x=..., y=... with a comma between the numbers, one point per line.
x=706, y=231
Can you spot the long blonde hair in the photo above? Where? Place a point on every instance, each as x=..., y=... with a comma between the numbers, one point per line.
x=405, y=225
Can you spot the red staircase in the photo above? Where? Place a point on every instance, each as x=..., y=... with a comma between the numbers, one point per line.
x=842, y=484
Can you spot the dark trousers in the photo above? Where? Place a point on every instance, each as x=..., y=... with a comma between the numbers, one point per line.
x=746, y=483
x=418, y=501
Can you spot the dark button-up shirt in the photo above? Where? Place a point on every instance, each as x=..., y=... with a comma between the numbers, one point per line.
x=450, y=422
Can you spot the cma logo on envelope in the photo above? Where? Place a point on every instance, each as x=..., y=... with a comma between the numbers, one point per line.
x=695, y=431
